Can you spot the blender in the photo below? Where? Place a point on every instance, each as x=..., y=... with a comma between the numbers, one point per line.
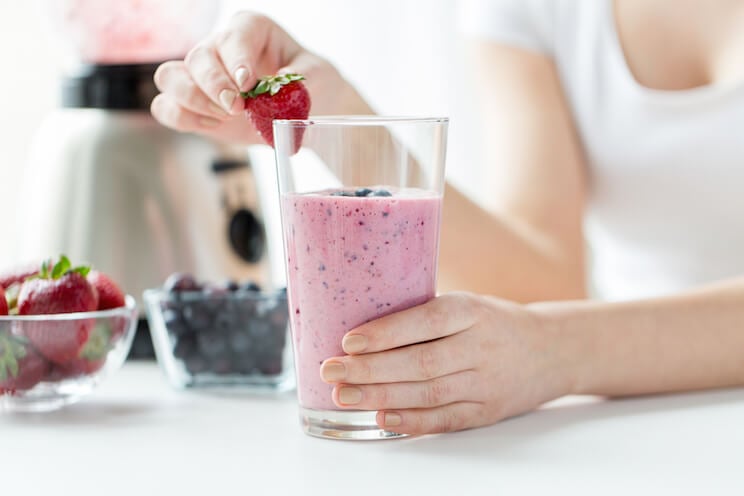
x=114, y=188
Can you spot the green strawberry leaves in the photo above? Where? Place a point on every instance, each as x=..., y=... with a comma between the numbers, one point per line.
x=64, y=266
x=271, y=85
x=11, y=350
x=98, y=344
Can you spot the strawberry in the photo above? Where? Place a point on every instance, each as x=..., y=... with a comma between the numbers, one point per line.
x=277, y=97
x=60, y=289
x=92, y=356
x=18, y=274
x=75, y=368
x=109, y=293
x=21, y=368
x=3, y=302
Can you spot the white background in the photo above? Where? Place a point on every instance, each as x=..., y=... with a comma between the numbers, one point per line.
x=403, y=55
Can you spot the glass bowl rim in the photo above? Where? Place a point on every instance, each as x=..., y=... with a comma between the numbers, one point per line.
x=158, y=294
x=125, y=311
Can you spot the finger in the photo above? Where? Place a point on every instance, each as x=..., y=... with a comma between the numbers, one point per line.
x=447, y=418
x=425, y=394
x=442, y=316
x=254, y=43
x=168, y=112
x=207, y=71
x=173, y=79
x=418, y=362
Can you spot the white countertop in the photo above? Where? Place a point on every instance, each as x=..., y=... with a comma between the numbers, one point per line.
x=137, y=436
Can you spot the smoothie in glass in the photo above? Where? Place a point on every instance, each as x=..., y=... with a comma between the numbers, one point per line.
x=353, y=256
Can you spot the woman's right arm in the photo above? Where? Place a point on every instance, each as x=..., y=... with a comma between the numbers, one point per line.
x=526, y=242
x=525, y=245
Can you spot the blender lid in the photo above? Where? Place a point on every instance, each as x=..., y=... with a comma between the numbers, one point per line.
x=111, y=87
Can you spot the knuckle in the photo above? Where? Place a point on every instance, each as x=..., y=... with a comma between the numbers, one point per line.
x=435, y=317
x=191, y=92
x=426, y=362
x=248, y=18
x=363, y=370
x=447, y=421
x=161, y=74
x=194, y=54
x=213, y=78
x=436, y=393
x=381, y=397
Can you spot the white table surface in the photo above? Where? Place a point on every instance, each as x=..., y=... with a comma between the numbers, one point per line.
x=137, y=436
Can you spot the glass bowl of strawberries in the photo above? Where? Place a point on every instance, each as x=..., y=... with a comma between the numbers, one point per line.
x=63, y=329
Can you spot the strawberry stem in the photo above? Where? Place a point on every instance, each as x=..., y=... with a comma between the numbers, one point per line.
x=271, y=85
x=64, y=266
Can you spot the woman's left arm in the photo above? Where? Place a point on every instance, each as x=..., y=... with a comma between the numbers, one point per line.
x=693, y=340
x=464, y=360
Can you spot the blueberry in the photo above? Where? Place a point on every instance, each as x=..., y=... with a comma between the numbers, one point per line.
x=279, y=316
x=173, y=322
x=212, y=289
x=362, y=192
x=179, y=282
x=231, y=285
x=251, y=286
x=381, y=192
x=223, y=323
x=210, y=345
x=185, y=347
x=244, y=363
x=240, y=341
x=259, y=329
x=222, y=364
x=197, y=316
x=196, y=364
x=342, y=193
x=270, y=366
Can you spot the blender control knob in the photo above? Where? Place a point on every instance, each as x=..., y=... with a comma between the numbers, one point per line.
x=246, y=235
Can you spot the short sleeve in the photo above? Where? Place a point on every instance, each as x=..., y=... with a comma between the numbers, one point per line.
x=524, y=23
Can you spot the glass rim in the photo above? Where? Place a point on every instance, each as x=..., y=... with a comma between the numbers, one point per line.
x=360, y=120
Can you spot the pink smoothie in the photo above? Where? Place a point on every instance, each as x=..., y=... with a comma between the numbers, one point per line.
x=351, y=260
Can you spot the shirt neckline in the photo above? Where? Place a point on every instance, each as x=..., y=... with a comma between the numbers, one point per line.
x=690, y=94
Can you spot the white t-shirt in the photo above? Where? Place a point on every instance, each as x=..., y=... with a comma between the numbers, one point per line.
x=666, y=168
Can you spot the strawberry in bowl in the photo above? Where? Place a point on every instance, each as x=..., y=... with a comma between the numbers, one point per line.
x=63, y=329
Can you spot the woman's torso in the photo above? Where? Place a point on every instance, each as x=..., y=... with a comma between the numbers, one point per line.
x=657, y=97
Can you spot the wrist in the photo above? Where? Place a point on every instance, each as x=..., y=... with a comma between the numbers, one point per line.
x=343, y=100
x=567, y=347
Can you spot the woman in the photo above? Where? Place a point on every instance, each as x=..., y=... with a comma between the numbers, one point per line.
x=612, y=123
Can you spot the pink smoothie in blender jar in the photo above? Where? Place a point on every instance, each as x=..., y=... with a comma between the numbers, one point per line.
x=131, y=31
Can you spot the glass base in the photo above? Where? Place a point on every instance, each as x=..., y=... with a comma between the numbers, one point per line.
x=344, y=424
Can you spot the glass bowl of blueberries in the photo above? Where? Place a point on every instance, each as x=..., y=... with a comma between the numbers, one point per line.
x=226, y=335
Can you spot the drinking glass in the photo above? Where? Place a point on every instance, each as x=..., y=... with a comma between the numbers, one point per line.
x=361, y=200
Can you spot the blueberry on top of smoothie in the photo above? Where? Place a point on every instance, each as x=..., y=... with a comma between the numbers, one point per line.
x=382, y=192
x=362, y=192
x=342, y=193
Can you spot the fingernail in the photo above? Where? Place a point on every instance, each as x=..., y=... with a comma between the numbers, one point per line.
x=354, y=343
x=241, y=76
x=350, y=395
x=333, y=371
x=209, y=122
x=227, y=98
x=391, y=419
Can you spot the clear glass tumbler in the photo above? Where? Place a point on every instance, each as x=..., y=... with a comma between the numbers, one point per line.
x=361, y=200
